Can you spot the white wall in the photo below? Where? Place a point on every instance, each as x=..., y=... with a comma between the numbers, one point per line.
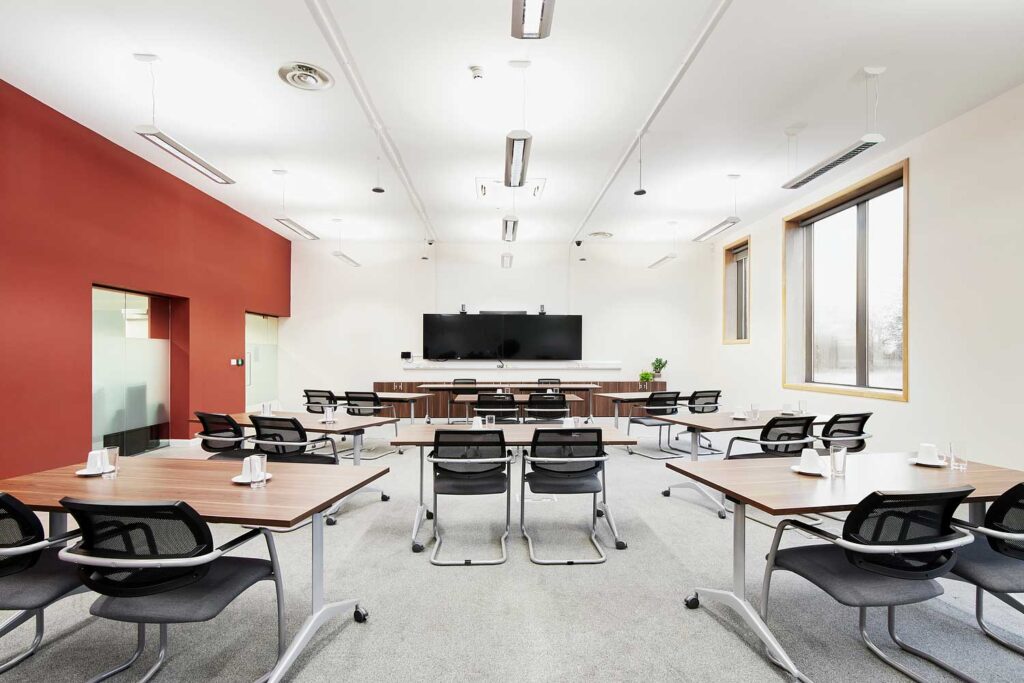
x=965, y=292
x=349, y=325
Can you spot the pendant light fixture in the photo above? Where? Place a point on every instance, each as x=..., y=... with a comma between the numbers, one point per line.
x=531, y=19
x=729, y=220
x=640, y=191
x=510, y=223
x=152, y=134
x=378, y=188
x=518, y=142
x=283, y=217
x=338, y=253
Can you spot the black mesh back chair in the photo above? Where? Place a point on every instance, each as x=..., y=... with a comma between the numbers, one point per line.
x=155, y=563
x=32, y=577
x=368, y=404
x=659, y=403
x=470, y=463
x=552, y=384
x=501, y=406
x=222, y=436
x=701, y=403
x=284, y=439
x=568, y=461
x=781, y=437
x=846, y=430
x=894, y=545
x=455, y=393
x=994, y=563
x=318, y=399
x=545, y=408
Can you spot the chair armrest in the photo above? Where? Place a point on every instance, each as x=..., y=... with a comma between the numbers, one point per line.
x=238, y=541
x=210, y=437
x=464, y=461
x=962, y=539
x=76, y=557
x=40, y=545
x=495, y=410
x=852, y=437
x=987, y=531
x=598, y=458
x=264, y=442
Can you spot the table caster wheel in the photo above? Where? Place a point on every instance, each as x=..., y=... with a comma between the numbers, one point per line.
x=600, y=513
x=360, y=615
x=331, y=521
x=385, y=497
x=721, y=514
x=430, y=515
x=666, y=493
x=400, y=451
x=417, y=547
x=620, y=545
x=692, y=602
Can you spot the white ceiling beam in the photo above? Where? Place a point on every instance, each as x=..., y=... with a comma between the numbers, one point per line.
x=688, y=61
x=328, y=25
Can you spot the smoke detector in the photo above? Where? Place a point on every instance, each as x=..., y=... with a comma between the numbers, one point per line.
x=477, y=72
x=305, y=76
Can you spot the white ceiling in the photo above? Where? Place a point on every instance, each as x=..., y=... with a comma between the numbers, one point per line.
x=766, y=66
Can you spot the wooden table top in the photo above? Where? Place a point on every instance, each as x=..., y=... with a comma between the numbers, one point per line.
x=722, y=420
x=769, y=484
x=515, y=434
x=294, y=493
x=634, y=396
x=343, y=422
x=395, y=396
x=445, y=386
x=520, y=398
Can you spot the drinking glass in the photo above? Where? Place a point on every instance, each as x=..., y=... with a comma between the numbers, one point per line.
x=755, y=411
x=328, y=414
x=837, y=456
x=802, y=407
x=577, y=421
x=112, y=456
x=258, y=471
x=489, y=420
x=958, y=456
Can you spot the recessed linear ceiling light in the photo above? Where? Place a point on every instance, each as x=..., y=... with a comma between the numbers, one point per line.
x=182, y=153
x=517, y=156
x=721, y=227
x=296, y=228
x=342, y=256
x=662, y=261
x=601, y=235
x=531, y=19
x=509, y=227
x=305, y=76
x=506, y=259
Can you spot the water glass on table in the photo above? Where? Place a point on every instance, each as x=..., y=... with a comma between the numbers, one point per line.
x=958, y=456
x=258, y=471
x=489, y=419
x=755, y=411
x=110, y=462
x=837, y=458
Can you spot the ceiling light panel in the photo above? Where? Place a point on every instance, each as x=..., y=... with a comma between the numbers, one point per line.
x=509, y=227
x=517, y=157
x=296, y=228
x=182, y=153
x=531, y=19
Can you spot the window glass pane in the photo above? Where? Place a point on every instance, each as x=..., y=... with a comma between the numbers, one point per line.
x=834, y=281
x=741, y=297
x=885, y=290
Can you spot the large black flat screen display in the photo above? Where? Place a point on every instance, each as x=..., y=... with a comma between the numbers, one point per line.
x=490, y=337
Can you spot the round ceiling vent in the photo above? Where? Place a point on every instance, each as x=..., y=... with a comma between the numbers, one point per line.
x=305, y=76
x=601, y=235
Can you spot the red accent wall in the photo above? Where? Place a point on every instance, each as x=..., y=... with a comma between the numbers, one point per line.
x=78, y=210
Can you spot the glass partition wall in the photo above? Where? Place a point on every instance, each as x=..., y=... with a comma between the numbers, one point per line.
x=130, y=370
x=260, y=360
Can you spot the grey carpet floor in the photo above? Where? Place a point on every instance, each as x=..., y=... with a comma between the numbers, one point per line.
x=622, y=620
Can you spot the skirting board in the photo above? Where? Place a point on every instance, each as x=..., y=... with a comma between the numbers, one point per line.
x=512, y=365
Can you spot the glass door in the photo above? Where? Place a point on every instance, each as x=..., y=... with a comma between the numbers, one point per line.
x=260, y=360
x=130, y=370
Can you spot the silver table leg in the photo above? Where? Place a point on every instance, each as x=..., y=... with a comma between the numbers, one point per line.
x=320, y=613
x=736, y=599
x=694, y=449
x=590, y=400
x=412, y=412
x=421, y=512
x=615, y=407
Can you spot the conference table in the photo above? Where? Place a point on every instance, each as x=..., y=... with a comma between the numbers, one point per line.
x=468, y=400
x=405, y=397
x=524, y=386
x=698, y=423
x=295, y=494
x=422, y=436
x=769, y=485
x=342, y=424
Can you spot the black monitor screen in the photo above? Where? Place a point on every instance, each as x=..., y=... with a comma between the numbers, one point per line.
x=543, y=337
x=461, y=337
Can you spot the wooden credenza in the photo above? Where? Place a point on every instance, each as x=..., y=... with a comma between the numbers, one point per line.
x=438, y=399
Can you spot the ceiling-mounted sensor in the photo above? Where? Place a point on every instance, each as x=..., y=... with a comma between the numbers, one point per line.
x=305, y=76
x=477, y=72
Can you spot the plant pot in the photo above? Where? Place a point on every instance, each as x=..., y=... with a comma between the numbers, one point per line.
x=657, y=375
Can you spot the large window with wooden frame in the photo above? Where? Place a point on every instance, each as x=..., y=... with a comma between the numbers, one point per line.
x=846, y=290
x=736, y=293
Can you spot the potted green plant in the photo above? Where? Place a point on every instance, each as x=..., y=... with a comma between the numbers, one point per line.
x=658, y=365
x=645, y=377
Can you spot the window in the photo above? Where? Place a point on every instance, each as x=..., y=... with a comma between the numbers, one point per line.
x=845, y=291
x=736, y=292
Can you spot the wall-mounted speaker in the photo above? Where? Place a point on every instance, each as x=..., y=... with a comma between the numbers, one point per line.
x=406, y=355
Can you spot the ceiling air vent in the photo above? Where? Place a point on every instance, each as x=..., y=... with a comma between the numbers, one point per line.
x=305, y=76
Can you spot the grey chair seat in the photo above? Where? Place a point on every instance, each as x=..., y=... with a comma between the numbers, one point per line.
x=228, y=578
x=827, y=568
x=233, y=454
x=990, y=570
x=458, y=484
x=550, y=482
x=39, y=585
x=649, y=422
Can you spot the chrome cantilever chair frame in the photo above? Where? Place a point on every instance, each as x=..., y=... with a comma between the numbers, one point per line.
x=958, y=542
x=508, y=512
x=384, y=406
x=672, y=453
x=598, y=509
x=69, y=555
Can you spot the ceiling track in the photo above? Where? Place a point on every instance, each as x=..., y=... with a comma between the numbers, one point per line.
x=328, y=25
x=688, y=61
